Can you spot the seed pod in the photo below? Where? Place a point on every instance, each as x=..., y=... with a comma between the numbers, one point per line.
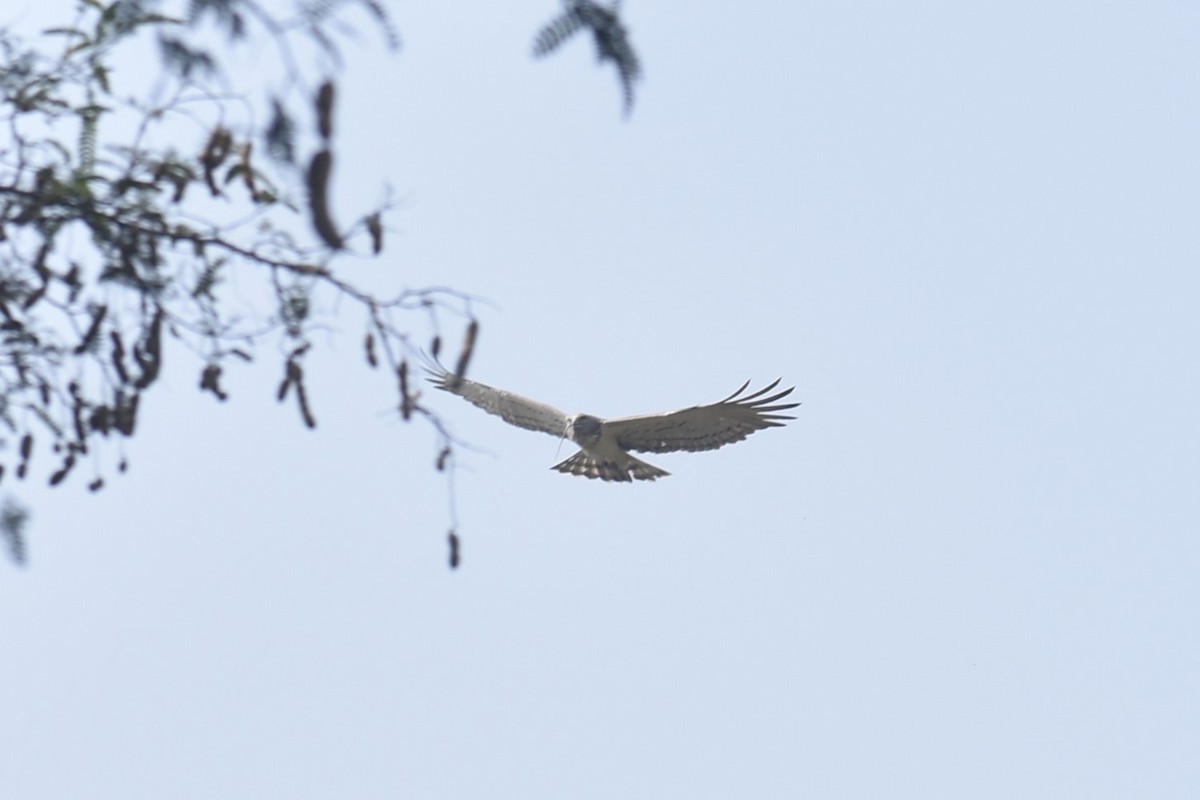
x=305, y=412
x=375, y=229
x=325, y=110
x=369, y=347
x=126, y=413
x=62, y=472
x=118, y=356
x=405, y=397
x=464, y=357
x=318, y=199
x=25, y=450
x=101, y=420
x=292, y=374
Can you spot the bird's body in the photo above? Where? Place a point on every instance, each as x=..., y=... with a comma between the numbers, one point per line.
x=605, y=444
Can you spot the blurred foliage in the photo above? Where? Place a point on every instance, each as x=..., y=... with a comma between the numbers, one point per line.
x=125, y=206
x=12, y=527
x=608, y=33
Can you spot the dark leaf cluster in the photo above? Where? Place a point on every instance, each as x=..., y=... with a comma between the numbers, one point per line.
x=114, y=251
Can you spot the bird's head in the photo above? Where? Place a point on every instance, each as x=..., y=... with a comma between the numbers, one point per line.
x=584, y=429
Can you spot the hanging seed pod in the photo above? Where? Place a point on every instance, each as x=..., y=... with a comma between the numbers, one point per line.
x=318, y=199
x=369, y=347
x=375, y=229
x=406, y=404
x=324, y=107
x=464, y=356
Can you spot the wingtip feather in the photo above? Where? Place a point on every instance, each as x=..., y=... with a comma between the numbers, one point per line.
x=735, y=394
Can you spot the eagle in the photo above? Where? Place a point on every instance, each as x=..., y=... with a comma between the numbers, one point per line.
x=605, y=443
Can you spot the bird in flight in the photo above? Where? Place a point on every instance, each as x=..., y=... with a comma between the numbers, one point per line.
x=605, y=443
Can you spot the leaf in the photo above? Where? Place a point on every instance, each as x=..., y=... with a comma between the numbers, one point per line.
x=369, y=347
x=183, y=60
x=406, y=404
x=210, y=381
x=63, y=471
x=217, y=149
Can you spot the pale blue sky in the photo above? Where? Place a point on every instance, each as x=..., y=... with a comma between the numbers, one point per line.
x=967, y=233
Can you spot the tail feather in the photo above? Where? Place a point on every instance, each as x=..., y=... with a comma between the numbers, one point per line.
x=627, y=470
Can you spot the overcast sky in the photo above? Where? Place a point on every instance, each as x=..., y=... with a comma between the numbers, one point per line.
x=966, y=232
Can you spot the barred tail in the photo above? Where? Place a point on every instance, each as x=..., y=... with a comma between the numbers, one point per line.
x=627, y=470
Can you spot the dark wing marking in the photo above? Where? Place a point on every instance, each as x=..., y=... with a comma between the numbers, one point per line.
x=703, y=427
x=512, y=408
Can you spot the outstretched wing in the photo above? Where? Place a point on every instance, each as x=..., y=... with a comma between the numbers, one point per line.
x=512, y=408
x=703, y=427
